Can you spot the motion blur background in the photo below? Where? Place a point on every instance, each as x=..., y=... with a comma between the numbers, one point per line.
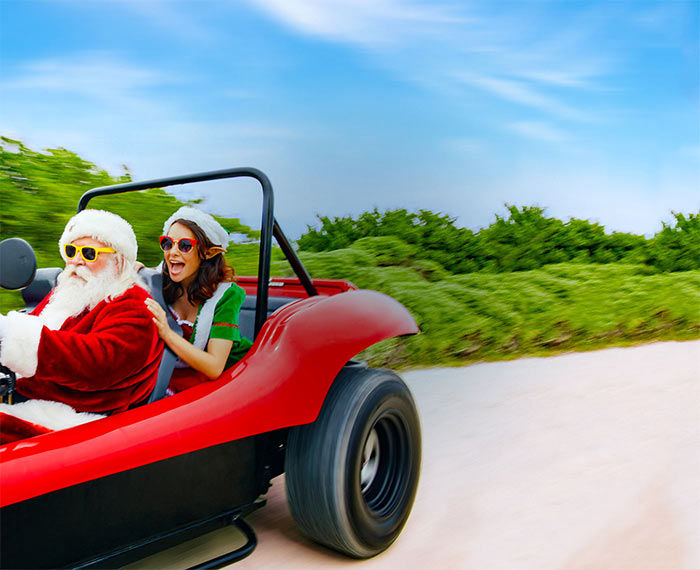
x=522, y=176
x=589, y=109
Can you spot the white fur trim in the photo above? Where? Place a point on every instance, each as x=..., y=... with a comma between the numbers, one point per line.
x=213, y=229
x=112, y=230
x=20, y=346
x=50, y=414
x=69, y=301
x=204, y=321
x=126, y=280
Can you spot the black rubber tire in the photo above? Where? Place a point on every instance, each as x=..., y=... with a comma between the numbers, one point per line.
x=366, y=410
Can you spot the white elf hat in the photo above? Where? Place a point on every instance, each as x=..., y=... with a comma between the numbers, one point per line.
x=112, y=230
x=214, y=231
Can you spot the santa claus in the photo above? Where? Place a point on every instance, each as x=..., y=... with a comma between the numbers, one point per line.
x=91, y=345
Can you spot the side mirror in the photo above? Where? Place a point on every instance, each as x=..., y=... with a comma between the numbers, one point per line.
x=17, y=263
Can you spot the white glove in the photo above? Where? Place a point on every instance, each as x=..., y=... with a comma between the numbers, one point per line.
x=4, y=326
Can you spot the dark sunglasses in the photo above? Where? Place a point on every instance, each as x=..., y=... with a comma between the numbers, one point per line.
x=185, y=245
x=87, y=252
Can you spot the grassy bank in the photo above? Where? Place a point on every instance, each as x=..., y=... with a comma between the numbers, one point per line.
x=494, y=316
x=498, y=293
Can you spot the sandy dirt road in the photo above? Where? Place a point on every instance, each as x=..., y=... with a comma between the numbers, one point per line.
x=580, y=461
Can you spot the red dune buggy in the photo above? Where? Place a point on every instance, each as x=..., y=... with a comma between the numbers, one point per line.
x=115, y=490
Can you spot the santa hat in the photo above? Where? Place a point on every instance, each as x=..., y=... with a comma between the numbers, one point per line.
x=214, y=231
x=110, y=229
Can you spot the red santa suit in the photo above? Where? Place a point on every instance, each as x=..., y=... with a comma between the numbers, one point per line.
x=103, y=360
x=92, y=347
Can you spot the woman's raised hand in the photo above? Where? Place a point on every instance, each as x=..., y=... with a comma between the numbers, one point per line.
x=159, y=317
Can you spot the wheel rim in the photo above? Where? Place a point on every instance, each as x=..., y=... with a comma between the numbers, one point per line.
x=370, y=461
x=385, y=465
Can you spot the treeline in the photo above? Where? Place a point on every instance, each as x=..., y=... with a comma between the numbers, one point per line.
x=39, y=192
x=524, y=240
x=497, y=293
x=483, y=316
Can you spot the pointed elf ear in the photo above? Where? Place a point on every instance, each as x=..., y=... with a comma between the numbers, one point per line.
x=214, y=250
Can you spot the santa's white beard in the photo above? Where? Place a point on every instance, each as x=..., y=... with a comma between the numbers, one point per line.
x=73, y=295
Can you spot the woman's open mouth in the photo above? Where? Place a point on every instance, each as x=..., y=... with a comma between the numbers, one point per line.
x=175, y=267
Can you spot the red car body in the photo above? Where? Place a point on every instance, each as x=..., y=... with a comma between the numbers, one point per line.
x=280, y=383
x=114, y=490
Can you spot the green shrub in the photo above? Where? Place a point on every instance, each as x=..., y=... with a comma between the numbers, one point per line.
x=677, y=248
x=386, y=250
x=527, y=284
x=492, y=316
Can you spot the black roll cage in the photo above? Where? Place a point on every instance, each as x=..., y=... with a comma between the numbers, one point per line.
x=268, y=226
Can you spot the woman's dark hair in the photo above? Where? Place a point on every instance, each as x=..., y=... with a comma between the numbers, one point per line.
x=211, y=271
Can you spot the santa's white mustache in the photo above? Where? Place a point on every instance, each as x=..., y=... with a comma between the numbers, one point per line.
x=78, y=289
x=79, y=270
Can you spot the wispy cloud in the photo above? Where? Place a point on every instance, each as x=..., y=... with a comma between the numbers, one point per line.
x=540, y=131
x=94, y=74
x=366, y=22
x=544, y=71
x=522, y=93
x=666, y=19
x=165, y=15
x=103, y=106
x=558, y=78
x=461, y=48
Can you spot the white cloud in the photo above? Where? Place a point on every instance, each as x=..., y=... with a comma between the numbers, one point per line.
x=460, y=48
x=98, y=81
x=367, y=22
x=94, y=74
x=522, y=93
x=166, y=15
x=558, y=78
x=540, y=131
x=113, y=112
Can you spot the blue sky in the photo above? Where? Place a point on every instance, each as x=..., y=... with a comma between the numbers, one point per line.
x=590, y=109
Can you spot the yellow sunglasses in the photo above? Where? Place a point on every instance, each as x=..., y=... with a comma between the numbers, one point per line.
x=87, y=252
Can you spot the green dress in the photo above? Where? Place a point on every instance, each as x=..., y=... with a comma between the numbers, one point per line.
x=225, y=323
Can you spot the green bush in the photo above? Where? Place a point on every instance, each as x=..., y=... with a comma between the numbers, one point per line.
x=677, y=248
x=386, y=250
x=527, y=284
x=524, y=240
x=477, y=316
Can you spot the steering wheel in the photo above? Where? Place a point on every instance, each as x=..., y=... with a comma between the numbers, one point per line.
x=7, y=381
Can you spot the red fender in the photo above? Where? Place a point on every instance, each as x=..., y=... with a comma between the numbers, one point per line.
x=310, y=340
x=281, y=382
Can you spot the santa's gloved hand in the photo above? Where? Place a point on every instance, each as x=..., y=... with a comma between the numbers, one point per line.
x=4, y=326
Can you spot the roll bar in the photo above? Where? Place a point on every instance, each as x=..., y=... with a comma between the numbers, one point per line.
x=268, y=226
